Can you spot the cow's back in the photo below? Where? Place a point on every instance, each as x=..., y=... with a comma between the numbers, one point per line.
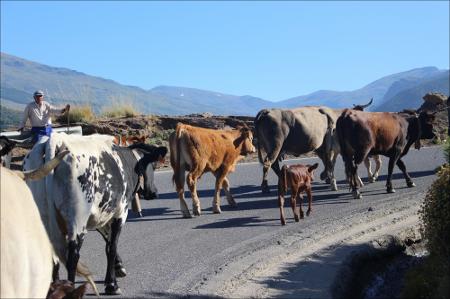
x=378, y=131
x=212, y=147
x=298, y=130
x=26, y=253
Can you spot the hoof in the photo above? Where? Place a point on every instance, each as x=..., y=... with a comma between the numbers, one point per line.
x=112, y=290
x=411, y=184
x=196, y=213
x=302, y=215
x=120, y=271
x=217, y=211
x=390, y=190
x=327, y=180
x=308, y=212
x=140, y=215
x=334, y=187
x=283, y=222
x=357, y=195
x=187, y=215
x=296, y=218
x=323, y=176
x=372, y=179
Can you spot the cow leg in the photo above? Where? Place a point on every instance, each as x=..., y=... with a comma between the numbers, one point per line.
x=191, y=180
x=271, y=161
x=220, y=176
x=119, y=268
x=55, y=273
x=281, y=205
x=392, y=162
x=296, y=194
x=402, y=167
x=369, y=170
x=328, y=173
x=377, y=159
x=110, y=279
x=179, y=183
x=73, y=256
x=308, y=192
x=226, y=187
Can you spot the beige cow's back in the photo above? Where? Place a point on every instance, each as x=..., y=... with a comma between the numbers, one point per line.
x=26, y=252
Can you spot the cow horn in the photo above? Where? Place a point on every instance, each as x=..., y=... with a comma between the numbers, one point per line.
x=368, y=104
x=41, y=172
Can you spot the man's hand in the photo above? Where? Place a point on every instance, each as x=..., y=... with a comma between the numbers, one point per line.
x=66, y=109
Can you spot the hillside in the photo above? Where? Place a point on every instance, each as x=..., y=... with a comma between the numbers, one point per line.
x=408, y=94
x=377, y=90
x=21, y=77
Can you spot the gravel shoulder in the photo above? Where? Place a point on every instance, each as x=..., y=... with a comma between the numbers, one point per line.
x=306, y=267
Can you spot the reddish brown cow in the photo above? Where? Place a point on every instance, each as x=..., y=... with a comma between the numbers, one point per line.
x=200, y=150
x=390, y=134
x=123, y=140
x=298, y=178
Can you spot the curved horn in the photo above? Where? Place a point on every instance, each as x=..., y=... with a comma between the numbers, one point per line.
x=368, y=104
x=41, y=172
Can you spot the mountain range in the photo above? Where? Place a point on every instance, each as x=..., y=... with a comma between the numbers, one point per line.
x=21, y=77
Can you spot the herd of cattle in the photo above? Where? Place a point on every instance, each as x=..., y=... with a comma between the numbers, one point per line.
x=90, y=181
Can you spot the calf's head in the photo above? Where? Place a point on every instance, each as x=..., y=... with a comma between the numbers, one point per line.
x=311, y=169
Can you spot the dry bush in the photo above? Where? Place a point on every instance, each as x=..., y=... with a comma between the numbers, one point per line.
x=77, y=114
x=120, y=110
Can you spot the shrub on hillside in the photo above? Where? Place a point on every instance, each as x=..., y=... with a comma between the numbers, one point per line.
x=124, y=110
x=432, y=279
x=77, y=114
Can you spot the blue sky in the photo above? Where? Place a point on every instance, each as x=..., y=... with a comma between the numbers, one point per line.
x=272, y=50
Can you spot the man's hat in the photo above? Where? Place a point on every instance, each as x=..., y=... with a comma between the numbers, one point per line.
x=38, y=93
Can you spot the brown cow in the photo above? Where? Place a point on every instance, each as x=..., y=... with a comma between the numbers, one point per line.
x=389, y=134
x=123, y=140
x=298, y=178
x=200, y=150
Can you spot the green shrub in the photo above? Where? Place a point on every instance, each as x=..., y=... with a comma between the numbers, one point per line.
x=161, y=138
x=120, y=110
x=77, y=114
x=446, y=148
x=432, y=278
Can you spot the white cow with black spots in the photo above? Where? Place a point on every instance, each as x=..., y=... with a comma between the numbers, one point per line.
x=91, y=189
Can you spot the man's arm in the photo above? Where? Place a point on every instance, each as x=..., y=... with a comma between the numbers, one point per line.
x=54, y=110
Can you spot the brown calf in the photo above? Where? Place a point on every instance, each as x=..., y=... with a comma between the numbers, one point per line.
x=198, y=150
x=298, y=178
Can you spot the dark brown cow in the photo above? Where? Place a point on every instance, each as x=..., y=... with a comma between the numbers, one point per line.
x=200, y=150
x=298, y=178
x=390, y=134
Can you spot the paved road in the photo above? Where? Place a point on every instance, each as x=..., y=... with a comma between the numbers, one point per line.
x=166, y=255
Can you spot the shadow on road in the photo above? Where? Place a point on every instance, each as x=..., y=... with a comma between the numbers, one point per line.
x=239, y=222
x=178, y=296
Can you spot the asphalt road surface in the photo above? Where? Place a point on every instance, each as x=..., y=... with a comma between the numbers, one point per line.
x=168, y=256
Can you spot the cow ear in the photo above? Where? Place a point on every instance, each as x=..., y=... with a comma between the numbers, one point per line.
x=311, y=168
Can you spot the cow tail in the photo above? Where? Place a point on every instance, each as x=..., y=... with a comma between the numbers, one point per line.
x=345, y=147
x=258, y=143
x=177, y=156
x=84, y=271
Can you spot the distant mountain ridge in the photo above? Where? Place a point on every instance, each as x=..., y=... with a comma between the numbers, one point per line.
x=20, y=77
